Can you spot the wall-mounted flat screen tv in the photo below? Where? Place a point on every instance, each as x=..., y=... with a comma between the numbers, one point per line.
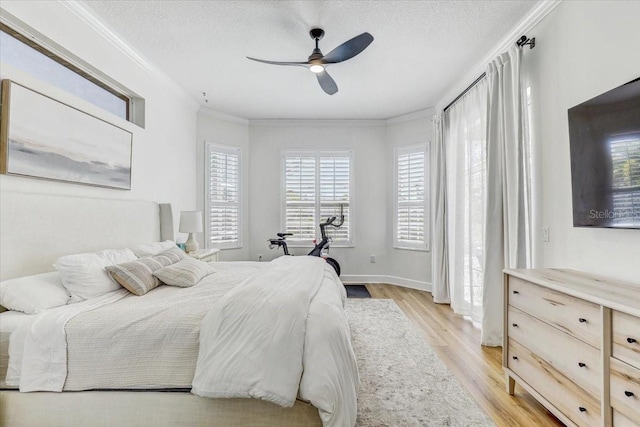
x=604, y=134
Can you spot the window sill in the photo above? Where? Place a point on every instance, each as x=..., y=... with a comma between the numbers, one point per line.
x=404, y=248
x=223, y=248
x=308, y=246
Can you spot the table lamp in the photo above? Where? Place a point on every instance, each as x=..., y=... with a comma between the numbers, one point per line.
x=191, y=222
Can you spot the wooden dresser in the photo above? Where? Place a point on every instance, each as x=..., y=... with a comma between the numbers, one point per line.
x=572, y=340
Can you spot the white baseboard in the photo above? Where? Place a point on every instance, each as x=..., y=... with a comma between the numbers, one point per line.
x=392, y=280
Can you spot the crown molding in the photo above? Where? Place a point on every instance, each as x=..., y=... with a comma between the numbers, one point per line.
x=525, y=25
x=87, y=16
x=317, y=123
x=210, y=112
x=539, y=12
x=416, y=115
x=28, y=31
x=107, y=33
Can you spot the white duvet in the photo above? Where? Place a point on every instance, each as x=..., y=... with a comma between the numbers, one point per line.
x=299, y=346
x=279, y=334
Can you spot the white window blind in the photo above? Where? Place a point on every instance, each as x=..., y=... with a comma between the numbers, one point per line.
x=410, y=190
x=223, y=196
x=300, y=197
x=316, y=185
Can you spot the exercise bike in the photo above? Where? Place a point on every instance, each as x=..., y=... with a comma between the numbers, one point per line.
x=320, y=249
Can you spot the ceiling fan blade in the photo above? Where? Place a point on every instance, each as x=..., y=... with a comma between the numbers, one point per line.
x=327, y=83
x=301, y=64
x=348, y=49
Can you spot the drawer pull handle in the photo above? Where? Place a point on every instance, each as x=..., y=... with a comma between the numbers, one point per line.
x=628, y=393
x=516, y=292
x=582, y=365
x=582, y=320
x=516, y=358
x=582, y=409
x=515, y=325
x=631, y=340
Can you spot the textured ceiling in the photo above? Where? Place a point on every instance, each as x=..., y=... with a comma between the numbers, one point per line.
x=420, y=50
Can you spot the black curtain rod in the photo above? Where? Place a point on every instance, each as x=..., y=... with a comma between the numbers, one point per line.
x=465, y=91
x=522, y=41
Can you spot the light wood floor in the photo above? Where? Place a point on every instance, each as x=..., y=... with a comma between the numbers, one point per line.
x=478, y=368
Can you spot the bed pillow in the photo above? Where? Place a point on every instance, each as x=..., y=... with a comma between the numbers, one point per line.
x=184, y=273
x=84, y=276
x=33, y=294
x=137, y=276
x=153, y=248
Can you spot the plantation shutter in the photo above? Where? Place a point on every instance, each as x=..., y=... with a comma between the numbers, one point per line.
x=300, y=197
x=224, y=196
x=316, y=184
x=410, y=198
x=334, y=192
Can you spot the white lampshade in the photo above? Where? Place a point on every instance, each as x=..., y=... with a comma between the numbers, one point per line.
x=190, y=222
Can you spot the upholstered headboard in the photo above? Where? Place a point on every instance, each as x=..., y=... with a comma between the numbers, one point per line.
x=36, y=229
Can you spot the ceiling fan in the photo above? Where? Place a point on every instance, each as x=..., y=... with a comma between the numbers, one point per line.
x=318, y=62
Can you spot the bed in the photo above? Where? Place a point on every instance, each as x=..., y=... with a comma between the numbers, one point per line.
x=136, y=360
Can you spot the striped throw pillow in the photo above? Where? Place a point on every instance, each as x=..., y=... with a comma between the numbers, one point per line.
x=184, y=273
x=137, y=276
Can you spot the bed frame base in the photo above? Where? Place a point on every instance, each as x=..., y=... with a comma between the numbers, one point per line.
x=145, y=408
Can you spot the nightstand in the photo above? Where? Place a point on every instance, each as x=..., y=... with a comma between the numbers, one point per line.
x=206, y=255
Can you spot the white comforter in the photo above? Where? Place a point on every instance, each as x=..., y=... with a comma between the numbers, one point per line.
x=38, y=351
x=281, y=334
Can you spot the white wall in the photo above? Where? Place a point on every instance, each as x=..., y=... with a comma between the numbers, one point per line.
x=163, y=153
x=367, y=139
x=220, y=129
x=372, y=142
x=413, y=267
x=583, y=48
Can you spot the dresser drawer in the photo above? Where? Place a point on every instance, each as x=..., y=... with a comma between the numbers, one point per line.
x=577, y=360
x=626, y=338
x=574, y=316
x=574, y=402
x=625, y=389
x=620, y=420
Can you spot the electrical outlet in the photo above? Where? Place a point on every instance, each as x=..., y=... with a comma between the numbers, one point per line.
x=545, y=234
x=372, y=259
x=259, y=257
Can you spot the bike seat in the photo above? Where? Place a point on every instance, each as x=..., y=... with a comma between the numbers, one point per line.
x=283, y=235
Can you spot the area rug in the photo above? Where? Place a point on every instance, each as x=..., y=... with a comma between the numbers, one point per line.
x=357, y=291
x=402, y=380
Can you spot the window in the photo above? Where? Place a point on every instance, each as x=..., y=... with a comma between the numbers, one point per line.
x=410, y=214
x=317, y=185
x=223, y=196
x=24, y=54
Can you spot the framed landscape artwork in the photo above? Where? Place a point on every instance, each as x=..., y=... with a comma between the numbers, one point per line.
x=44, y=138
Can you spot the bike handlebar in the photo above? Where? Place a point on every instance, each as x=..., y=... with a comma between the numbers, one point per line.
x=330, y=221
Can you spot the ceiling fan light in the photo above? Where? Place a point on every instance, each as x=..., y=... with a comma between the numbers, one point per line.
x=316, y=68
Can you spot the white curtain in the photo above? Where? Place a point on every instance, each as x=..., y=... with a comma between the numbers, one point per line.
x=440, y=272
x=465, y=148
x=508, y=223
